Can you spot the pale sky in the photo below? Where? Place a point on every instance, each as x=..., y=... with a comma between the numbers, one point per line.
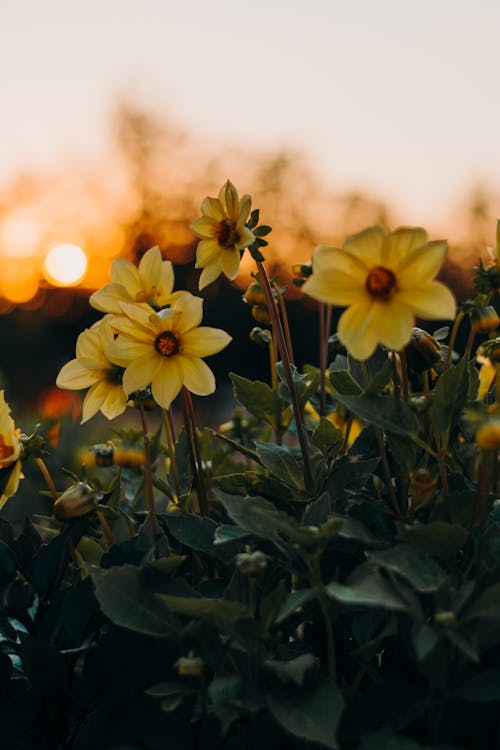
x=399, y=96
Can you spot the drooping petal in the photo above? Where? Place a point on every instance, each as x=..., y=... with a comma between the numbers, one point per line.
x=432, y=301
x=207, y=250
x=204, y=341
x=74, y=376
x=125, y=273
x=93, y=400
x=392, y=323
x=115, y=402
x=355, y=330
x=398, y=244
x=367, y=245
x=212, y=208
x=150, y=268
x=210, y=273
x=421, y=265
x=108, y=298
x=197, y=376
x=230, y=262
x=204, y=228
x=140, y=373
x=333, y=287
x=167, y=382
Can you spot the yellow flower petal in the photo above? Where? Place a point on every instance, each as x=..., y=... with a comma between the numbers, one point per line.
x=212, y=208
x=125, y=273
x=204, y=341
x=74, y=376
x=93, y=400
x=355, y=330
x=421, y=265
x=125, y=350
x=207, y=250
x=228, y=196
x=166, y=283
x=246, y=237
x=140, y=373
x=327, y=258
x=392, y=323
x=108, y=298
x=191, y=312
x=167, y=382
x=115, y=402
x=230, y=263
x=333, y=287
x=211, y=272
x=204, y=227
x=245, y=206
x=197, y=376
x=150, y=268
x=367, y=245
x=432, y=301
x=400, y=243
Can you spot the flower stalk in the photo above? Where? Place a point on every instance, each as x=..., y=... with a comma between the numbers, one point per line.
x=148, y=475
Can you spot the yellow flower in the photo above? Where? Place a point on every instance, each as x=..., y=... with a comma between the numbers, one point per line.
x=10, y=453
x=223, y=234
x=385, y=280
x=164, y=349
x=488, y=436
x=92, y=367
x=152, y=281
x=487, y=375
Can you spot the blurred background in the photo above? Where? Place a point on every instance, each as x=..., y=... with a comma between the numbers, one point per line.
x=119, y=116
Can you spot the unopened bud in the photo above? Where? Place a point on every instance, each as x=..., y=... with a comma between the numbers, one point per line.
x=488, y=436
x=75, y=502
x=251, y=563
x=422, y=351
x=189, y=666
x=302, y=270
x=483, y=319
x=260, y=336
x=261, y=314
x=423, y=487
x=445, y=618
x=254, y=295
x=103, y=453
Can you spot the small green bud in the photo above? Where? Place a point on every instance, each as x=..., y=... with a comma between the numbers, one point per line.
x=189, y=666
x=422, y=351
x=77, y=501
x=251, y=563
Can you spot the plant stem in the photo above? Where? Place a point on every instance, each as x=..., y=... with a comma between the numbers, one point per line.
x=404, y=375
x=48, y=479
x=387, y=471
x=324, y=333
x=148, y=475
x=273, y=358
x=282, y=348
x=395, y=376
x=452, y=340
x=193, y=440
x=284, y=320
x=105, y=527
x=171, y=452
x=441, y=456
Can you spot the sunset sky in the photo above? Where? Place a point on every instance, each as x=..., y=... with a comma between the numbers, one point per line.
x=397, y=96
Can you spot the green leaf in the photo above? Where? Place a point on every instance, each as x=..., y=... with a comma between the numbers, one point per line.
x=366, y=372
x=295, y=601
x=224, y=692
x=487, y=605
x=438, y=538
x=280, y=462
x=225, y=615
x=312, y=714
x=258, y=516
x=386, y=739
x=449, y=397
x=370, y=591
x=343, y=383
x=260, y=400
x=424, y=640
x=196, y=533
x=389, y=414
x=294, y=671
x=420, y=570
x=481, y=688
x=327, y=437
x=243, y=449
x=127, y=597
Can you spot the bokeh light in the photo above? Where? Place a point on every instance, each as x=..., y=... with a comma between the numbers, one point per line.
x=65, y=265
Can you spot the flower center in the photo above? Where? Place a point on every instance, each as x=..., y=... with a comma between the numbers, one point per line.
x=225, y=233
x=5, y=451
x=114, y=375
x=381, y=283
x=167, y=344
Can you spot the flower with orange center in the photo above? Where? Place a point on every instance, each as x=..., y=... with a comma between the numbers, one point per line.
x=223, y=234
x=385, y=280
x=10, y=453
x=152, y=281
x=165, y=349
x=92, y=367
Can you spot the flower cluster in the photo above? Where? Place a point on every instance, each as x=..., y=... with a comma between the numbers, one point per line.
x=150, y=336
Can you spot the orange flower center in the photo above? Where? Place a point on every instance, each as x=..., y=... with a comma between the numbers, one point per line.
x=225, y=233
x=167, y=344
x=381, y=283
x=5, y=451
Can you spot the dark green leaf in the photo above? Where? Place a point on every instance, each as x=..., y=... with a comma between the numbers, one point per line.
x=344, y=384
x=312, y=714
x=258, y=516
x=295, y=601
x=294, y=671
x=224, y=614
x=483, y=687
x=438, y=538
x=260, y=400
x=243, y=449
x=327, y=437
x=370, y=591
x=280, y=462
x=449, y=397
x=196, y=532
x=382, y=411
x=420, y=570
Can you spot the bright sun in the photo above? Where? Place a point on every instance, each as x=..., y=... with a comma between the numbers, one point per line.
x=65, y=265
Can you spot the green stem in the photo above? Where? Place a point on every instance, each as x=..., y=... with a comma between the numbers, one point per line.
x=387, y=472
x=482, y=491
x=193, y=440
x=48, y=479
x=404, y=375
x=171, y=452
x=285, y=324
x=148, y=475
x=445, y=491
x=453, y=337
x=282, y=348
x=395, y=376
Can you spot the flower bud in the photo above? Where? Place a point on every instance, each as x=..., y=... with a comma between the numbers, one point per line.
x=261, y=314
x=446, y=618
x=423, y=487
x=189, y=666
x=422, y=351
x=491, y=349
x=488, y=436
x=254, y=295
x=483, y=319
x=251, y=563
x=261, y=337
x=75, y=502
x=103, y=453
x=302, y=270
